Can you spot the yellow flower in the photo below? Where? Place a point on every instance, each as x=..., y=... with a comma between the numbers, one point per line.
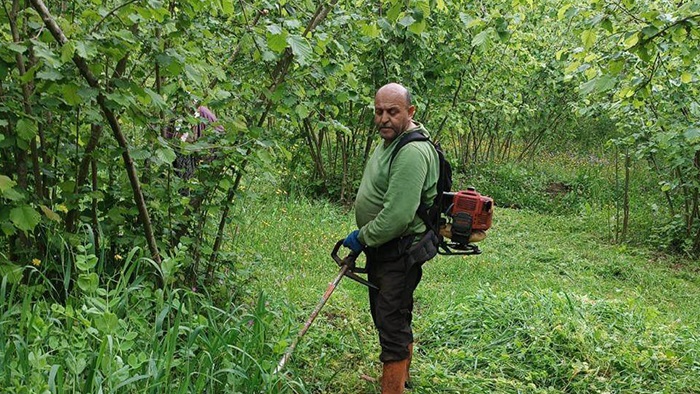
x=36, y=262
x=118, y=257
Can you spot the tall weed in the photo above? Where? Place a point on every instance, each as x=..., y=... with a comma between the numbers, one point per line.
x=121, y=334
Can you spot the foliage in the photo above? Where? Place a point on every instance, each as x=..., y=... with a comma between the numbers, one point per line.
x=637, y=60
x=122, y=335
x=548, y=301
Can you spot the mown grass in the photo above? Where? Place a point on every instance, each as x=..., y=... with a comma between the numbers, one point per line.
x=547, y=308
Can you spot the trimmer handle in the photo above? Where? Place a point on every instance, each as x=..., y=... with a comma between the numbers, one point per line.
x=349, y=260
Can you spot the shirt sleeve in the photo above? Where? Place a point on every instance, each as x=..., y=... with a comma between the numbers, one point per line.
x=403, y=195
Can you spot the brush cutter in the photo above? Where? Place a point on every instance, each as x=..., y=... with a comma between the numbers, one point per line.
x=347, y=268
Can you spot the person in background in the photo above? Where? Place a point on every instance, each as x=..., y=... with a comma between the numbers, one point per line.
x=186, y=164
x=393, y=237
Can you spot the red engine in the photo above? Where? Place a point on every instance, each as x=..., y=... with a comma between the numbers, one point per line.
x=479, y=207
x=467, y=216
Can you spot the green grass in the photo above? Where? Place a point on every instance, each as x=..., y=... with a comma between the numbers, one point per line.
x=547, y=308
x=126, y=336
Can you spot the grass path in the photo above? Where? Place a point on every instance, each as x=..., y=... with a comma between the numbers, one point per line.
x=547, y=308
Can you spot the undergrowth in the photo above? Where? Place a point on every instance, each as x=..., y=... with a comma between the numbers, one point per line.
x=122, y=334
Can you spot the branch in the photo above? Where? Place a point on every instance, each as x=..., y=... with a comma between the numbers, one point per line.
x=665, y=29
x=113, y=123
x=94, y=29
x=233, y=56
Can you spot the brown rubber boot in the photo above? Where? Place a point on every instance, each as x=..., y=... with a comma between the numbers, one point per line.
x=394, y=377
x=408, y=365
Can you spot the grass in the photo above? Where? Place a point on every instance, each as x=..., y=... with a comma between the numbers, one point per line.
x=547, y=308
x=126, y=336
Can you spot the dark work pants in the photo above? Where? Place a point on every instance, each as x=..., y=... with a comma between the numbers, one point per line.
x=392, y=305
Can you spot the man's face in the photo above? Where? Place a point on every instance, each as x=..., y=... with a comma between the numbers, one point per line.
x=392, y=115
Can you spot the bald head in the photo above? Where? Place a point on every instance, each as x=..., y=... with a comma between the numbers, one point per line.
x=395, y=88
x=393, y=111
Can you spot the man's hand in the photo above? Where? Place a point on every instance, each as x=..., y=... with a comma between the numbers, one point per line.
x=353, y=243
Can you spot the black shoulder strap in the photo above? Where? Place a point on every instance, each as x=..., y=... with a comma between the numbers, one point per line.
x=423, y=209
x=405, y=139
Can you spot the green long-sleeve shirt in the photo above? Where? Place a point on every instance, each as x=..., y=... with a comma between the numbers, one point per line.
x=386, y=202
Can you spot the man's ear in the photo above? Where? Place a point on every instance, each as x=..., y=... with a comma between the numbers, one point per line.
x=411, y=111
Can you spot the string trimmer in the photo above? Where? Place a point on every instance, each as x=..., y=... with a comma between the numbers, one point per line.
x=347, y=268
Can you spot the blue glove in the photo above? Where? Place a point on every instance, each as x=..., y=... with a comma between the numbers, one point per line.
x=353, y=243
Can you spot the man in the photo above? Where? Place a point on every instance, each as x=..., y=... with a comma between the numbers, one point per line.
x=186, y=164
x=392, y=235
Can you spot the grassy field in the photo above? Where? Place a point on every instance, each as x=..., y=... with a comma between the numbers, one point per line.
x=547, y=308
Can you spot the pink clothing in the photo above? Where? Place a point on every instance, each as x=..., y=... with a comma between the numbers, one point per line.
x=198, y=129
x=186, y=164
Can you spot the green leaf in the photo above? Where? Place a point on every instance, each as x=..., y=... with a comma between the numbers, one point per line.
x=27, y=129
x=301, y=48
x=588, y=37
x=264, y=156
x=369, y=30
x=607, y=25
x=302, y=111
x=407, y=21
x=650, y=31
x=106, y=322
x=165, y=155
x=13, y=195
x=85, y=49
x=631, y=40
x=422, y=8
x=692, y=135
x=49, y=75
x=394, y=11
x=70, y=94
x=49, y=213
x=7, y=228
x=12, y=272
x=88, y=282
x=67, y=51
x=599, y=84
x=480, y=38
x=616, y=66
x=686, y=77
x=417, y=27
x=43, y=51
x=465, y=18
x=25, y=217
x=605, y=83
x=277, y=42
x=15, y=47
x=6, y=183
x=156, y=99
x=587, y=87
x=85, y=262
